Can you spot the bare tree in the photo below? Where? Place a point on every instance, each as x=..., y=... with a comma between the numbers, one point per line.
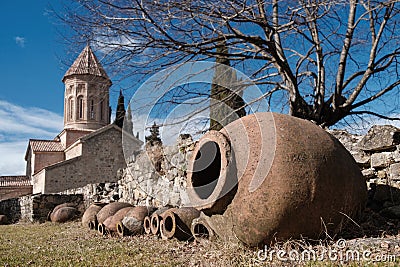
x=330, y=59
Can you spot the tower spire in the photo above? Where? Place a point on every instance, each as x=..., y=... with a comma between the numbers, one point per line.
x=87, y=86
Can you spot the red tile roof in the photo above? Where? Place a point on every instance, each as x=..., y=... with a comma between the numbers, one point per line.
x=14, y=181
x=86, y=63
x=46, y=145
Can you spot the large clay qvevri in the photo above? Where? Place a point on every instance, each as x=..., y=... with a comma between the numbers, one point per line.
x=89, y=216
x=269, y=176
x=109, y=210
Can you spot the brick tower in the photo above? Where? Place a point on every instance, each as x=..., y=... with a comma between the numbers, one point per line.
x=86, y=101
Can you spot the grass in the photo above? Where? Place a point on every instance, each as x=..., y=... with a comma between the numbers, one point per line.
x=70, y=244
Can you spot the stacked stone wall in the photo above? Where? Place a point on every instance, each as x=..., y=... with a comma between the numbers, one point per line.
x=35, y=208
x=157, y=176
x=377, y=153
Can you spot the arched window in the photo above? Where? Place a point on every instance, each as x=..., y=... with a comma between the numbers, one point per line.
x=70, y=109
x=91, y=109
x=80, y=107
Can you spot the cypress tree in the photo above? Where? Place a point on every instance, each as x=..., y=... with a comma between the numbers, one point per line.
x=129, y=124
x=154, y=137
x=120, y=113
x=224, y=101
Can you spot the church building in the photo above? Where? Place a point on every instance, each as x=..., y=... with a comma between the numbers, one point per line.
x=89, y=148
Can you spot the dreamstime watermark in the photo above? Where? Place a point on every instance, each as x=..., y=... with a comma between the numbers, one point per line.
x=178, y=100
x=338, y=252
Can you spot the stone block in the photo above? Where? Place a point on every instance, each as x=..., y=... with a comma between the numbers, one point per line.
x=381, y=160
x=381, y=174
x=348, y=140
x=362, y=158
x=368, y=173
x=396, y=154
x=394, y=171
x=380, y=138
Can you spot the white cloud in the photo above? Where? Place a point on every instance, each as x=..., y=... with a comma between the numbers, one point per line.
x=12, y=158
x=20, y=41
x=109, y=43
x=18, y=125
x=361, y=126
x=190, y=117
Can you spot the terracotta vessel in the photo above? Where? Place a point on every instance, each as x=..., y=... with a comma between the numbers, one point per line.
x=177, y=222
x=268, y=177
x=132, y=223
x=111, y=222
x=64, y=214
x=63, y=205
x=3, y=219
x=155, y=219
x=147, y=225
x=109, y=210
x=89, y=216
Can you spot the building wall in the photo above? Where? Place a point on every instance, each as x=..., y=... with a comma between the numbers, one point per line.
x=68, y=137
x=35, y=208
x=38, y=181
x=80, y=90
x=43, y=159
x=73, y=151
x=102, y=156
x=30, y=164
x=7, y=192
x=64, y=175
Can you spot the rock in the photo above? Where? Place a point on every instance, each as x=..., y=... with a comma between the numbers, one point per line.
x=362, y=158
x=394, y=171
x=391, y=212
x=381, y=174
x=368, y=173
x=3, y=219
x=380, y=138
x=396, y=154
x=381, y=160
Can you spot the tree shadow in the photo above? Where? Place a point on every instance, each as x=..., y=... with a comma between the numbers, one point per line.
x=381, y=216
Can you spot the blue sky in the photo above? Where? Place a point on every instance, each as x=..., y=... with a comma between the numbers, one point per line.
x=32, y=64
x=32, y=53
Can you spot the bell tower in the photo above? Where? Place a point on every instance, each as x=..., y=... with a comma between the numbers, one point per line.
x=86, y=97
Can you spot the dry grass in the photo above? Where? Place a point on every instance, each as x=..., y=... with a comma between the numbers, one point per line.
x=72, y=245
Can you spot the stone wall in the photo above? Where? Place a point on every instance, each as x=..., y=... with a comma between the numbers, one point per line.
x=43, y=159
x=98, y=192
x=102, y=156
x=73, y=151
x=377, y=153
x=35, y=208
x=157, y=176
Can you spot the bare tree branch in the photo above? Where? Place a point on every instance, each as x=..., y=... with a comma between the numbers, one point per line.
x=326, y=55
